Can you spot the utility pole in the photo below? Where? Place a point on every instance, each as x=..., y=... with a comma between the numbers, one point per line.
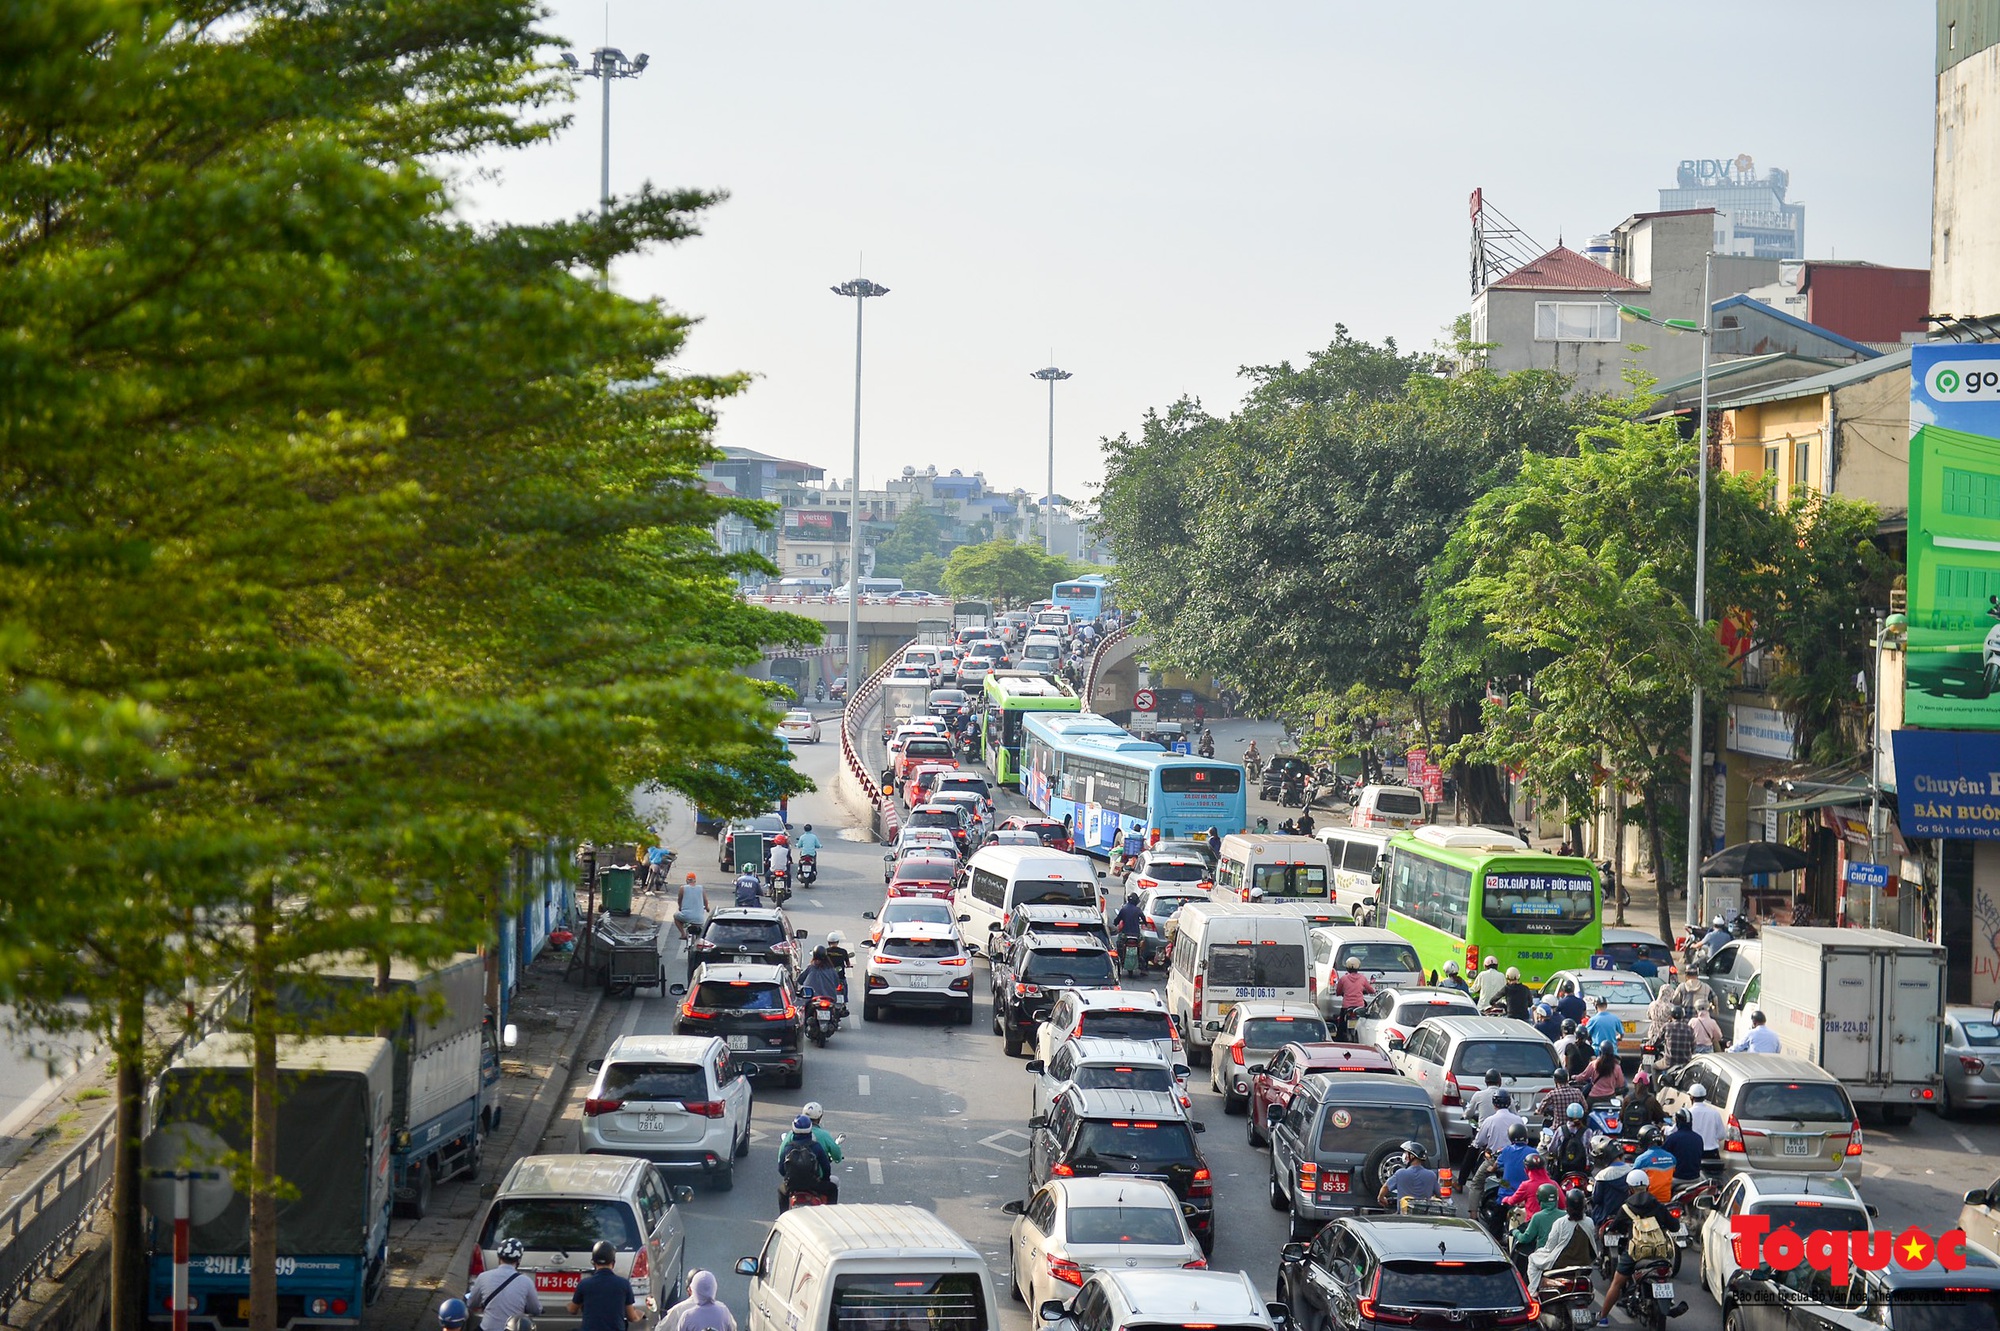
x=607, y=63
x=1051, y=375
x=860, y=289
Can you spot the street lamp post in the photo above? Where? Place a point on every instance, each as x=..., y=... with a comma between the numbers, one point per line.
x=1050, y=375
x=607, y=63
x=860, y=289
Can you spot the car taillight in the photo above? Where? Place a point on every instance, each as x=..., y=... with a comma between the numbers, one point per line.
x=477, y=1265
x=954, y=961
x=1062, y=1171
x=1063, y=1269
x=639, y=1265
x=1027, y=990
x=887, y=961
x=1854, y=1139
x=1308, y=1176
x=1200, y=1185
x=1452, y=1094
x=592, y=1106
x=1312, y=983
x=1973, y=1066
x=693, y=1013
x=1198, y=1264
x=1236, y=1053
x=1197, y=999
x=1732, y=1135
x=705, y=1108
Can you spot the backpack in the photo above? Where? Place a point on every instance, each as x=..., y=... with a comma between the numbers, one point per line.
x=800, y=1167
x=1649, y=1238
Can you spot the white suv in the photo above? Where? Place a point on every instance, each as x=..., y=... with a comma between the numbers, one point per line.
x=676, y=1100
x=917, y=965
x=1110, y=1014
x=1127, y=1300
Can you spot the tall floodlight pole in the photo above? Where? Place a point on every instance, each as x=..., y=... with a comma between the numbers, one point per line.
x=607, y=63
x=1700, y=596
x=861, y=289
x=1051, y=375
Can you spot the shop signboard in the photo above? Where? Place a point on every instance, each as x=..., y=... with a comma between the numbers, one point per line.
x=1950, y=783
x=1953, y=664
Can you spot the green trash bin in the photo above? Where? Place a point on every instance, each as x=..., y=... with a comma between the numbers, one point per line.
x=614, y=890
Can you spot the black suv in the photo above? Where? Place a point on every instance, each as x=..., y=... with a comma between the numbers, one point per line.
x=1121, y=1131
x=1337, y=1142
x=754, y=1010
x=761, y=935
x=1375, y=1272
x=1027, y=974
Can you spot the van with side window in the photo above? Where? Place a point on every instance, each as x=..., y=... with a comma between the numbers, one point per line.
x=1357, y=854
x=1042, y=652
x=999, y=879
x=1392, y=808
x=1286, y=869
x=866, y=1267
x=1226, y=952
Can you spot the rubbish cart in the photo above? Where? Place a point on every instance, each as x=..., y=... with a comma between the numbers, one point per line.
x=614, y=889
x=629, y=951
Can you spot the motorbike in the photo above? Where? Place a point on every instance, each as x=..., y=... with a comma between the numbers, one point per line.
x=1131, y=956
x=798, y=1197
x=1255, y=767
x=1649, y=1295
x=822, y=1016
x=1490, y=1211
x=819, y=691
x=1568, y=1299
x=808, y=869
x=781, y=887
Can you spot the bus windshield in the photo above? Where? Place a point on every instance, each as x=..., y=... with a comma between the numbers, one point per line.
x=1523, y=902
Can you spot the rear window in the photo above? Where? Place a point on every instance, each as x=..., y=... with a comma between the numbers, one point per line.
x=1379, y=956
x=908, y=1301
x=1980, y=1032
x=1398, y=802
x=1359, y=1129
x=1289, y=880
x=1270, y=1032
x=1164, y=908
x=1422, y=1009
x=1264, y=965
x=919, y=947
x=1629, y=992
x=1144, y=1140
x=935, y=818
x=928, y=912
x=1514, y=1058
x=739, y=933
x=550, y=1224
x=1128, y=1025
x=1124, y=1224
x=1475, y=1285
x=928, y=748
x=654, y=1081
x=739, y=996
x=1054, y=892
x=1805, y=1219
x=1807, y=1101
x=1177, y=871
x=1105, y=1077
x=974, y=784
x=1064, y=965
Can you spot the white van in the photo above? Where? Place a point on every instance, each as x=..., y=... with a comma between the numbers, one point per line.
x=1386, y=958
x=1040, y=649
x=872, y=587
x=1054, y=621
x=1286, y=868
x=1355, y=854
x=1226, y=952
x=1394, y=807
x=864, y=1265
x=999, y=878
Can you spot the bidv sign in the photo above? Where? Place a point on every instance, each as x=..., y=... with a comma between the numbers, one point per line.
x=1715, y=170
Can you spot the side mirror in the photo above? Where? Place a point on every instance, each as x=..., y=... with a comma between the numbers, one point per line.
x=1257, y=1069
x=805, y=991
x=1396, y=1043
x=1292, y=1252
x=888, y=859
x=1101, y=873
x=867, y=942
x=510, y=1036
x=1200, y=1126
x=677, y=990
x=972, y=949
x=1976, y=1197
x=867, y=914
x=1869, y=1207
x=1037, y=1067
x=1280, y=1315
x=800, y=934
x=965, y=919
x=746, y=1266
x=1212, y=1026
x=594, y=1066
x=1014, y=1208
x=1038, y=1122
x=1375, y=874
x=681, y=1193
x=1272, y=1113
x=1050, y=1311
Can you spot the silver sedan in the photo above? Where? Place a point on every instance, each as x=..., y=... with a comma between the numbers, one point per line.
x=1971, y=1059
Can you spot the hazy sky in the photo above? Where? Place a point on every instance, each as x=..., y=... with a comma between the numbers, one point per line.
x=1161, y=192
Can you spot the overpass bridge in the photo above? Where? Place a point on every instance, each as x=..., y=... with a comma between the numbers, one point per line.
x=887, y=623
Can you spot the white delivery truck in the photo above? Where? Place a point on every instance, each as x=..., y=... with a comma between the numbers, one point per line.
x=1867, y=1005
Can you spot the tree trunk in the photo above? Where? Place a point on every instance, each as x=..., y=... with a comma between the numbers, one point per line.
x=1659, y=862
x=128, y=1224
x=1480, y=785
x=263, y=1116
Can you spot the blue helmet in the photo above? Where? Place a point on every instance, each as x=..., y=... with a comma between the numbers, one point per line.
x=452, y=1312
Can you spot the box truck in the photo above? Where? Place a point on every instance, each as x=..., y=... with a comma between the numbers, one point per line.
x=1867, y=1005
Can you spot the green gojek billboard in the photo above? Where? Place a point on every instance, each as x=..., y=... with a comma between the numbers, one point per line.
x=1954, y=563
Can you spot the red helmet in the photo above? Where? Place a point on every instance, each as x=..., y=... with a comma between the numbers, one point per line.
x=779, y=840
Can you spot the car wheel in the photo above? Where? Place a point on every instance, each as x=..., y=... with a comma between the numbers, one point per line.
x=1013, y=1038
x=1250, y=1130
x=1279, y=1202
x=1232, y=1103
x=965, y=1014
x=998, y=1029
x=1014, y=1283
x=1732, y=1320
x=725, y=1177
x=1945, y=1107
x=870, y=1010
x=1301, y=1230
x=796, y=1079
x=743, y=1146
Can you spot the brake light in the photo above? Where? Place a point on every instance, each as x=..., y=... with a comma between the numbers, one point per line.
x=1236, y=1053
x=477, y=1265
x=1452, y=1094
x=1027, y=990
x=1854, y=1139
x=1201, y=1185
x=1312, y=984
x=881, y=960
x=1732, y=1135
x=705, y=1108
x=1063, y=1269
x=954, y=961
x=1973, y=1066
x=693, y=1013
x=1198, y=1264
x=639, y=1264
x=1062, y=1171
x=592, y=1106
x=1308, y=1176
x=1197, y=997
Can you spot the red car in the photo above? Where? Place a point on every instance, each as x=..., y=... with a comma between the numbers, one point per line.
x=1274, y=1082
x=920, y=875
x=1053, y=834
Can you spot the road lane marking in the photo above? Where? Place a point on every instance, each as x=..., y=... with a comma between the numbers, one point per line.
x=1966, y=1142
x=631, y=1020
x=864, y=1083
x=874, y=1171
x=998, y=1142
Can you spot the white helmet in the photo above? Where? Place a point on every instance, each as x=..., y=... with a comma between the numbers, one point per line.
x=1451, y=968
x=1637, y=1179
x=812, y=1110
x=836, y=938
x=1513, y=972
x=1493, y=963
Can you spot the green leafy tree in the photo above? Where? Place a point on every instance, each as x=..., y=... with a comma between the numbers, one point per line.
x=919, y=534
x=1005, y=572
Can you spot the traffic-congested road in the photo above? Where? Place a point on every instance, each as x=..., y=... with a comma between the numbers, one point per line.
x=935, y=1114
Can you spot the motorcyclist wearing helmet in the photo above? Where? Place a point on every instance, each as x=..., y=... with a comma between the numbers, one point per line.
x=1639, y=1202
x=1548, y=1021
x=1568, y=1231
x=1569, y=1153
x=796, y=1173
x=1608, y=1180
x=1491, y=982
x=1481, y=1103
x=1352, y=988
x=1532, y=1233
x=1555, y=1105
x=1657, y=1162
x=837, y=956
x=452, y=1314
x=813, y=1110
x=604, y=1299
x=1416, y=1181
x=1451, y=979
x=1569, y=1002
x=1532, y=1181
x=749, y=889
x=505, y=1290
x=820, y=977
x=778, y=859
x=809, y=841
x=1518, y=997
x=1642, y=1102
x=1685, y=1145
x=1496, y=1129
x=1717, y=937
x=1514, y=1156
x=1130, y=922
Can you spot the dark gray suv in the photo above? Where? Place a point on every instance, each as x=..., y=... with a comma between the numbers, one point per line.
x=1337, y=1142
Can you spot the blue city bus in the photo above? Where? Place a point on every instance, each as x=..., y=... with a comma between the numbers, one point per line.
x=1082, y=767
x=1085, y=598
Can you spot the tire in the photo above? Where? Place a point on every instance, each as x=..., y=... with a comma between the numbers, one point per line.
x=1250, y=1131
x=725, y=1177
x=1279, y=1202
x=1369, y=1178
x=1013, y=1038
x=1233, y=1103
x=420, y=1195
x=998, y=1029
x=796, y=1079
x=743, y=1146
x=870, y=1010
x=1014, y=1283
x=1946, y=1109
x=1300, y=1230
x=965, y=1014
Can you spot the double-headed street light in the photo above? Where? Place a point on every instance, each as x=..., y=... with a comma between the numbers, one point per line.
x=860, y=289
x=1050, y=375
x=607, y=63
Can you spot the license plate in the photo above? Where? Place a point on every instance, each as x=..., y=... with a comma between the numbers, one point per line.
x=652, y=1122
x=1798, y=1146
x=1631, y=1027
x=558, y=1282
x=1663, y=1289
x=1244, y=991
x=739, y=1042
x=1334, y=1183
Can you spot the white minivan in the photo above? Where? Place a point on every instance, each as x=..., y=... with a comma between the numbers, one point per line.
x=866, y=1265
x=1227, y=952
x=1000, y=878
x=1286, y=869
x=1396, y=808
x=1356, y=854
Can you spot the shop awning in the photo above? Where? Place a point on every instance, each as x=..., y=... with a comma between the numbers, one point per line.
x=1822, y=799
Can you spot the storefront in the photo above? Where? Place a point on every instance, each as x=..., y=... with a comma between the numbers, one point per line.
x=1948, y=796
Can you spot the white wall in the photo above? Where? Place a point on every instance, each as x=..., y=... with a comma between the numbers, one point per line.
x=1965, y=196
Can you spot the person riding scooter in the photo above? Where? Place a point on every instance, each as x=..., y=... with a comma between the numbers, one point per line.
x=1131, y=925
x=805, y=1167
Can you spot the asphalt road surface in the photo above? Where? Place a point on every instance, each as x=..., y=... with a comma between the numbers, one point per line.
x=934, y=1114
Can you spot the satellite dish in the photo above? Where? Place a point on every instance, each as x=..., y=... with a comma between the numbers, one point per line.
x=187, y=1146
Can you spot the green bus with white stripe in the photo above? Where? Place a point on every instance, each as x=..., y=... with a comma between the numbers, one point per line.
x=1468, y=893
x=1009, y=694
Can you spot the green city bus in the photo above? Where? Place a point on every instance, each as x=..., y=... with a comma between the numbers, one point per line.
x=1468, y=893
x=1009, y=693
